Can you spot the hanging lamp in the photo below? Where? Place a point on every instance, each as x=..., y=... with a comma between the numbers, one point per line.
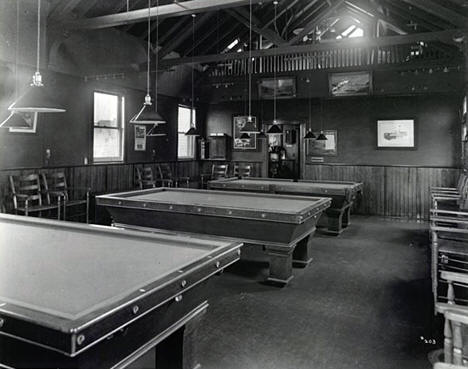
x=275, y=129
x=146, y=115
x=15, y=120
x=244, y=136
x=321, y=136
x=36, y=98
x=193, y=131
x=310, y=135
x=250, y=126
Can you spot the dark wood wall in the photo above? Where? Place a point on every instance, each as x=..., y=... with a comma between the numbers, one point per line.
x=395, y=191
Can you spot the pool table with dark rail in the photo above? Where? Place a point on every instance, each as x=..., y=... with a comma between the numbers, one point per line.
x=80, y=296
x=342, y=193
x=283, y=225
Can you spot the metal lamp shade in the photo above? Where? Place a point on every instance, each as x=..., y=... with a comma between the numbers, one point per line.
x=249, y=127
x=147, y=115
x=14, y=120
x=262, y=135
x=310, y=135
x=245, y=136
x=36, y=100
x=192, y=132
x=321, y=137
x=274, y=130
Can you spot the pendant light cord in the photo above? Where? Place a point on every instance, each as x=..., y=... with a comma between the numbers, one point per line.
x=16, y=49
x=38, y=51
x=274, y=71
x=193, y=80
x=249, y=64
x=148, y=60
x=157, y=58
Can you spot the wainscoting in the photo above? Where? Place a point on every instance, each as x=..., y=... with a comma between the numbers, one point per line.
x=395, y=191
x=100, y=178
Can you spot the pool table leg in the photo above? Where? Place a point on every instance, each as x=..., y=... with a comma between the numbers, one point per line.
x=347, y=216
x=178, y=350
x=302, y=255
x=280, y=264
x=335, y=221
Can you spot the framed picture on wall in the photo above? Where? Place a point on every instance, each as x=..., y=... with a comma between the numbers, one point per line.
x=30, y=119
x=285, y=88
x=239, y=121
x=349, y=84
x=396, y=134
x=140, y=138
x=328, y=147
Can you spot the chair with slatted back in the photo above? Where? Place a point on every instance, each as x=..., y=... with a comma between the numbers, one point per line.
x=27, y=196
x=164, y=176
x=144, y=178
x=167, y=174
x=217, y=171
x=242, y=170
x=57, y=187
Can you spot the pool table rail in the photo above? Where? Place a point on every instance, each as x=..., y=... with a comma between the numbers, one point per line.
x=73, y=336
x=124, y=200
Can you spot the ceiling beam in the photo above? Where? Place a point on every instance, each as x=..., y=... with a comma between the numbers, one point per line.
x=171, y=46
x=165, y=11
x=440, y=11
x=63, y=9
x=440, y=36
x=239, y=15
x=314, y=21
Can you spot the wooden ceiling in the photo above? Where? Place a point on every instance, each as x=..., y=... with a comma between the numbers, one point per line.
x=298, y=22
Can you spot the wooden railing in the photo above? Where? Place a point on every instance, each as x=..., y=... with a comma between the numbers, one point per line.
x=391, y=191
x=333, y=59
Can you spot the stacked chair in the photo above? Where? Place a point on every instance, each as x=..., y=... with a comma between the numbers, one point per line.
x=217, y=171
x=449, y=268
x=162, y=177
x=29, y=197
x=242, y=170
x=56, y=189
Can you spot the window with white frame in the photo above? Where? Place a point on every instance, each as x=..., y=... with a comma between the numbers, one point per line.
x=186, y=144
x=108, y=127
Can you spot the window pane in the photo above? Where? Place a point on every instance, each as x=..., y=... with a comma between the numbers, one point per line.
x=106, y=143
x=184, y=119
x=105, y=110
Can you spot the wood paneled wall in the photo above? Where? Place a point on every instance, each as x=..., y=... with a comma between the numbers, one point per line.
x=389, y=190
x=99, y=178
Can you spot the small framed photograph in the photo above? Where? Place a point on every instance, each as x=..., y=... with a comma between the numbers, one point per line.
x=285, y=88
x=30, y=119
x=396, y=134
x=319, y=148
x=140, y=138
x=350, y=84
x=238, y=122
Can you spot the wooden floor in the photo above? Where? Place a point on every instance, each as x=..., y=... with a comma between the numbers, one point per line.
x=364, y=302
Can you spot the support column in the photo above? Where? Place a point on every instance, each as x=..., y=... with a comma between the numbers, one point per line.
x=280, y=264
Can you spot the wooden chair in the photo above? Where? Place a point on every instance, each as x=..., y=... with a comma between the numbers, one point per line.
x=242, y=170
x=451, y=198
x=27, y=196
x=167, y=175
x=144, y=178
x=56, y=187
x=449, y=246
x=456, y=317
x=217, y=171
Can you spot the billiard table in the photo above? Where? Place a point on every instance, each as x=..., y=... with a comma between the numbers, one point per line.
x=282, y=225
x=343, y=194
x=80, y=296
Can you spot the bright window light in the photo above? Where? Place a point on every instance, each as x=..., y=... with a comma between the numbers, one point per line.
x=358, y=32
